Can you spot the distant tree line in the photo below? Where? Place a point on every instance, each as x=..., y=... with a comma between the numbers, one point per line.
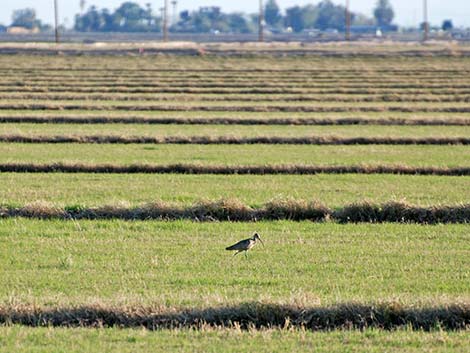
x=27, y=18
x=131, y=17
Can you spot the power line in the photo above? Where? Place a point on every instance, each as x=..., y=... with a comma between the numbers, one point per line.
x=348, y=22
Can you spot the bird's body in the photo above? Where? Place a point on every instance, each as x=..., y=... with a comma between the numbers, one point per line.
x=245, y=244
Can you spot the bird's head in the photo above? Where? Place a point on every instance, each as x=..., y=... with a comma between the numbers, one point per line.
x=256, y=237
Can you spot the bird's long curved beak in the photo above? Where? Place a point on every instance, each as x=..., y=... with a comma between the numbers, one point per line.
x=262, y=243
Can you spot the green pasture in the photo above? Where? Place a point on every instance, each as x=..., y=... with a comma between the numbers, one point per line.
x=231, y=115
x=30, y=129
x=184, y=263
x=416, y=155
x=332, y=190
x=44, y=340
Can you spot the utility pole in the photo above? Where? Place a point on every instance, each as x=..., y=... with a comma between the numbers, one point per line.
x=82, y=6
x=165, y=21
x=162, y=10
x=174, y=19
x=261, y=22
x=56, y=16
x=426, y=23
x=347, y=25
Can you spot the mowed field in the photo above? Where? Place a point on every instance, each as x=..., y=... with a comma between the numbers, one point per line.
x=123, y=179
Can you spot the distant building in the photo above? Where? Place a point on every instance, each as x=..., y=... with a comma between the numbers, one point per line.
x=461, y=33
x=22, y=30
x=210, y=10
x=372, y=29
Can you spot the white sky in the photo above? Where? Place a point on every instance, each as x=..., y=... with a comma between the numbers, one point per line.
x=407, y=12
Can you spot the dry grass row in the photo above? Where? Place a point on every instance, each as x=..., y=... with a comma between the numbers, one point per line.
x=244, y=91
x=234, y=210
x=408, y=69
x=304, y=85
x=203, y=108
x=245, y=316
x=362, y=77
x=233, y=140
x=78, y=119
x=302, y=73
x=426, y=98
x=229, y=80
x=298, y=169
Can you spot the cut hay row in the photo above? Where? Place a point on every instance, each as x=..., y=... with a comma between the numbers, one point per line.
x=224, y=210
x=406, y=69
x=233, y=140
x=234, y=210
x=122, y=77
x=232, y=52
x=246, y=316
x=244, y=91
x=291, y=169
x=26, y=81
x=181, y=85
x=77, y=119
x=443, y=98
x=217, y=74
x=183, y=80
x=233, y=108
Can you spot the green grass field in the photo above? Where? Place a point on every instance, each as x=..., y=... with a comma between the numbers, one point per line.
x=239, y=106
x=185, y=264
x=264, y=116
x=255, y=190
x=228, y=130
x=439, y=156
x=22, y=339
x=172, y=266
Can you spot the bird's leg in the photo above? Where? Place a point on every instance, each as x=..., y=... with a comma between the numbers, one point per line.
x=246, y=255
x=238, y=252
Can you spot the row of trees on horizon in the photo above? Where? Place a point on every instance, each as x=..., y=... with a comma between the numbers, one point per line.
x=131, y=17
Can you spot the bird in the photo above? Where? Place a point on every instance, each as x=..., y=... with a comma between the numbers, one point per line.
x=245, y=245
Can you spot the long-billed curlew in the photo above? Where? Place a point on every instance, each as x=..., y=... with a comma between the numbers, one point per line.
x=245, y=245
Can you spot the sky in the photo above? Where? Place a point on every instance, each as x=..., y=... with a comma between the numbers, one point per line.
x=407, y=12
